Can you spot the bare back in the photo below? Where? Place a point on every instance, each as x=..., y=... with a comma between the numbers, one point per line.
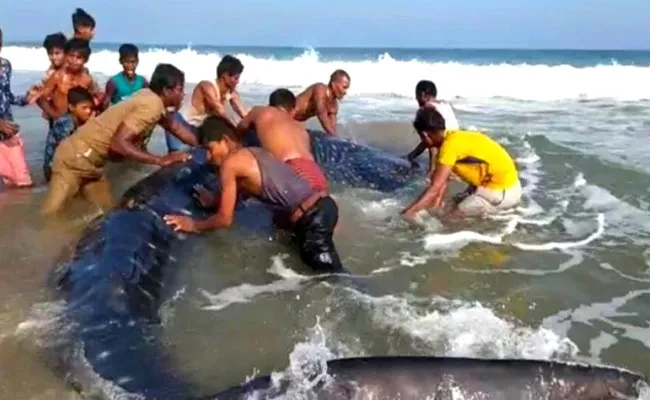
x=281, y=135
x=306, y=102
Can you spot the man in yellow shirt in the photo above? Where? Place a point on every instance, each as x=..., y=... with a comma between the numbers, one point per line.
x=476, y=159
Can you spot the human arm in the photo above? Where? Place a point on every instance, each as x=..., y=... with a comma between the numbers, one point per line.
x=213, y=102
x=432, y=161
x=419, y=149
x=13, y=99
x=432, y=196
x=179, y=130
x=224, y=216
x=248, y=122
x=109, y=91
x=320, y=101
x=43, y=100
x=124, y=142
x=205, y=198
x=237, y=105
x=97, y=93
x=7, y=129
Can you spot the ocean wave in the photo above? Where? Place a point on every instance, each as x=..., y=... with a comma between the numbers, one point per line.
x=386, y=76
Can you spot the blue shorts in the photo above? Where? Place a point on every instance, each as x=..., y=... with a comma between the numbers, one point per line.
x=174, y=143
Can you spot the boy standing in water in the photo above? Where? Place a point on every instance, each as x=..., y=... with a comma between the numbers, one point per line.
x=14, y=170
x=54, y=98
x=54, y=45
x=83, y=25
x=127, y=82
x=80, y=110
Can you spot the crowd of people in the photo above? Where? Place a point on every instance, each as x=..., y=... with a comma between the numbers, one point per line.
x=91, y=126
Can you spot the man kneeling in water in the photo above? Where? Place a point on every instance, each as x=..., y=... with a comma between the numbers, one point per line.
x=476, y=159
x=311, y=214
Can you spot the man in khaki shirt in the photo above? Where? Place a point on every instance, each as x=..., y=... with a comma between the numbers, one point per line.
x=121, y=130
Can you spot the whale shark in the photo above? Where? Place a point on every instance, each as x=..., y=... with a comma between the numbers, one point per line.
x=447, y=378
x=116, y=279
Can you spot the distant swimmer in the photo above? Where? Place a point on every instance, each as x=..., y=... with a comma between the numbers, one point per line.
x=310, y=214
x=426, y=95
x=209, y=97
x=117, y=133
x=322, y=101
x=284, y=137
x=476, y=159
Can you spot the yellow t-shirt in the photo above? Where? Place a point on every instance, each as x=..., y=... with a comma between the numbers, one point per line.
x=478, y=160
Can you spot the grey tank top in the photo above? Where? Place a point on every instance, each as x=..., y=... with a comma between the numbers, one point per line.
x=282, y=189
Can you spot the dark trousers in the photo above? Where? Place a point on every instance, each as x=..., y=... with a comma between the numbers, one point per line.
x=314, y=231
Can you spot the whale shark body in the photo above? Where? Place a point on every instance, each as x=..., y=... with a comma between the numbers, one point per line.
x=113, y=285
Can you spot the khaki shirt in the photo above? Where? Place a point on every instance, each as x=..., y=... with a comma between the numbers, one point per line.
x=140, y=113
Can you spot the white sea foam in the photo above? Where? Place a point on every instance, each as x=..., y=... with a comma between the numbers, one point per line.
x=387, y=76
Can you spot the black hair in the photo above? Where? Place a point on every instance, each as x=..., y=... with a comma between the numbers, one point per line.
x=429, y=119
x=78, y=45
x=229, y=65
x=283, y=98
x=54, y=41
x=128, y=50
x=80, y=18
x=426, y=87
x=339, y=73
x=79, y=94
x=166, y=76
x=214, y=129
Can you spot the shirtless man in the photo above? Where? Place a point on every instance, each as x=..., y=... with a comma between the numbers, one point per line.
x=53, y=99
x=284, y=137
x=320, y=100
x=310, y=214
x=117, y=133
x=209, y=97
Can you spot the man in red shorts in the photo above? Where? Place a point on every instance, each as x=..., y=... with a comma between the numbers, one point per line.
x=284, y=137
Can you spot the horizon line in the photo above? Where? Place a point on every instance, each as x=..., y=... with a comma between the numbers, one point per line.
x=329, y=47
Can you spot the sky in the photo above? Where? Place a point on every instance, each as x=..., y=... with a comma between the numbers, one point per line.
x=534, y=24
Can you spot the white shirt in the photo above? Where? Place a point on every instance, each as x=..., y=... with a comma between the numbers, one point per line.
x=444, y=108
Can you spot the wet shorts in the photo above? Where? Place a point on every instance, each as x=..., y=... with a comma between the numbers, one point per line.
x=482, y=200
x=310, y=171
x=314, y=235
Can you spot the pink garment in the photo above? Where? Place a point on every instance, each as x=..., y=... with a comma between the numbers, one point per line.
x=14, y=170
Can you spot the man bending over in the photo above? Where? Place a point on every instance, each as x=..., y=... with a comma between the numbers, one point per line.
x=322, y=101
x=476, y=159
x=117, y=133
x=285, y=138
x=310, y=214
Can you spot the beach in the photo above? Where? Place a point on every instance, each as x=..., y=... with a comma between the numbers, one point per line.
x=566, y=276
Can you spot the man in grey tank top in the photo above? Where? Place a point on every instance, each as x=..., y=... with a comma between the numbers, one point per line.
x=310, y=214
